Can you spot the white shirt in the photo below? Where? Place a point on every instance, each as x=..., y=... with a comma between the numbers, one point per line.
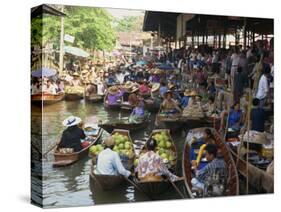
x=109, y=163
x=120, y=77
x=262, y=88
x=235, y=59
x=51, y=89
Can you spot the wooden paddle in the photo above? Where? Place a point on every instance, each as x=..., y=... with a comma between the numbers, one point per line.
x=176, y=188
x=50, y=149
x=137, y=187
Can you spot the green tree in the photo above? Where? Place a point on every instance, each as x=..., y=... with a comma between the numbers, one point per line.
x=129, y=24
x=91, y=27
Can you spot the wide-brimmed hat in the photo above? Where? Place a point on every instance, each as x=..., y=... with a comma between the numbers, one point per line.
x=128, y=85
x=71, y=121
x=193, y=93
x=155, y=87
x=84, y=71
x=113, y=90
x=75, y=74
x=186, y=92
x=171, y=86
x=135, y=87
x=109, y=141
x=254, y=137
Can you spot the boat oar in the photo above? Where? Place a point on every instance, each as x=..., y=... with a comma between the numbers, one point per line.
x=176, y=188
x=51, y=148
x=137, y=187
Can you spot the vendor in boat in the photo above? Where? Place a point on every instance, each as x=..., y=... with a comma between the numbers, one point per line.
x=208, y=138
x=185, y=98
x=215, y=166
x=176, y=95
x=72, y=135
x=151, y=165
x=114, y=94
x=109, y=162
x=169, y=105
x=210, y=108
x=137, y=114
x=144, y=87
x=49, y=88
x=194, y=98
x=130, y=94
x=76, y=80
x=155, y=76
x=235, y=118
x=36, y=87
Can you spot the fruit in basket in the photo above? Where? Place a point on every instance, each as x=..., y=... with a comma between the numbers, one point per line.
x=168, y=144
x=136, y=162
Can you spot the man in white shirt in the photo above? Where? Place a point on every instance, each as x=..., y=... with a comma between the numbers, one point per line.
x=234, y=66
x=49, y=88
x=109, y=162
x=263, y=88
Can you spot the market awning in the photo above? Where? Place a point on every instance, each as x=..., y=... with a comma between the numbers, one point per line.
x=76, y=51
x=44, y=72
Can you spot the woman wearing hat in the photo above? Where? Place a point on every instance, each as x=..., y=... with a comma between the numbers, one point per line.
x=194, y=100
x=169, y=105
x=114, y=94
x=109, y=162
x=76, y=80
x=72, y=135
x=185, y=98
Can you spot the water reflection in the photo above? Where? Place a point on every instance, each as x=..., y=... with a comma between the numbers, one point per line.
x=69, y=186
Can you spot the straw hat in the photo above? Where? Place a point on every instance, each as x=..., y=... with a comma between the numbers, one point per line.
x=128, y=85
x=193, y=93
x=84, y=71
x=71, y=121
x=75, y=74
x=155, y=87
x=255, y=137
x=171, y=86
x=109, y=141
x=113, y=90
x=186, y=92
x=168, y=92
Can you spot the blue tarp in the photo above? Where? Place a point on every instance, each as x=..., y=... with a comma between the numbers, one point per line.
x=76, y=51
x=44, y=72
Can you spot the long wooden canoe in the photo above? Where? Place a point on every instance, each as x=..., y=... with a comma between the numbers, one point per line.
x=258, y=178
x=232, y=187
x=46, y=99
x=94, y=98
x=132, y=127
x=157, y=185
x=109, y=182
x=73, y=96
x=173, y=123
x=65, y=159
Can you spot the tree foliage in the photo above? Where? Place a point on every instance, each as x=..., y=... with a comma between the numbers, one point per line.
x=91, y=27
x=129, y=24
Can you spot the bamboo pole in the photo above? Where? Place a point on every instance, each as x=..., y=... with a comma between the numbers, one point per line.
x=61, y=43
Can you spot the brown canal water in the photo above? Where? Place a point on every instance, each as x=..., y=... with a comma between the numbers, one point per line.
x=69, y=186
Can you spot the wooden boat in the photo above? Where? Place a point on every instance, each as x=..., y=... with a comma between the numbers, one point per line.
x=132, y=127
x=110, y=107
x=257, y=178
x=94, y=98
x=126, y=106
x=152, y=185
x=46, y=99
x=109, y=182
x=232, y=186
x=172, y=122
x=65, y=159
x=73, y=96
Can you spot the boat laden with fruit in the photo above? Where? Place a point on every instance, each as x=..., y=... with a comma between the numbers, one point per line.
x=154, y=185
x=73, y=93
x=217, y=186
x=65, y=157
x=46, y=98
x=125, y=148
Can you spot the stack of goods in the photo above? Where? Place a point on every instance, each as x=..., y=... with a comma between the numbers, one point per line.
x=194, y=111
x=95, y=150
x=164, y=149
x=66, y=150
x=74, y=89
x=123, y=145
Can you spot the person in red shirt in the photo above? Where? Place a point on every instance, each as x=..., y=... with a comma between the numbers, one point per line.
x=144, y=87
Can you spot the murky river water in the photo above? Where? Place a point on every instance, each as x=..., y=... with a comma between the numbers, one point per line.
x=69, y=186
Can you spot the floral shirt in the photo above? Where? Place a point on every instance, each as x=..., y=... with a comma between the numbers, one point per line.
x=151, y=163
